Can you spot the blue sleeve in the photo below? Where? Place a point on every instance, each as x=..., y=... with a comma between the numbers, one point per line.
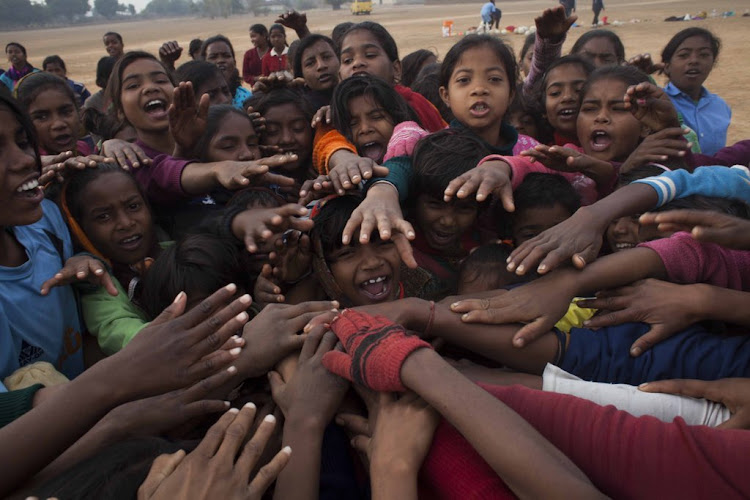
x=54, y=221
x=399, y=174
x=720, y=182
x=603, y=355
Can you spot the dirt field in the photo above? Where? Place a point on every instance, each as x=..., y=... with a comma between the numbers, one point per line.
x=417, y=27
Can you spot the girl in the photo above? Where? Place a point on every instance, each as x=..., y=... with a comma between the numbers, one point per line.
x=251, y=63
x=275, y=60
x=206, y=78
x=413, y=63
x=561, y=88
x=141, y=92
x=527, y=53
x=35, y=244
x=229, y=135
x=113, y=44
x=218, y=50
x=110, y=218
x=56, y=66
x=19, y=65
x=688, y=59
x=600, y=47
x=53, y=108
x=318, y=64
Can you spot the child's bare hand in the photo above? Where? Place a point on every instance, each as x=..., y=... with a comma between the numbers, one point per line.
x=314, y=189
x=668, y=308
x=381, y=210
x=707, y=226
x=651, y=106
x=81, y=268
x=353, y=169
x=293, y=20
x=238, y=174
x=187, y=117
x=169, y=52
x=259, y=224
x=55, y=168
x=553, y=24
x=323, y=115
x=126, y=154
x=491, y=177
x=734, y=393
x=658, y=147
x=292, y=256
x=259, y=125
x=266, y=290
x=645, y=63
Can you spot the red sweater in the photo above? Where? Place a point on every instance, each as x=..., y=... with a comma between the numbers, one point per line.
x=624, y=456
x=251, y=66
x=272, y=63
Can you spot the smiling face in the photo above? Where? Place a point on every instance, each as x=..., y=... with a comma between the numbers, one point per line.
x=217, y=90
x=690, y=65
x=622, y=233
x=146, y=95
x=320, y=66
x=259, y=41
x=16, y=57
x=371, y=127
x=220, y=54
x=442, y=224
x=367, y=274
x=20, y=193
x=362, y=54
x=478, y=92
x=289, y=129
x=56, y=120
x=235, y=140
x=116, y=218
x=600, y=51
x=606, y=130
x=562, y=93
x=114, y=46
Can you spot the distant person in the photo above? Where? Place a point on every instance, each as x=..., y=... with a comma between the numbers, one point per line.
x=491, y=15
x=218, y=50
x=103, y=70
x=413, y=63
x=56, y=66
x=276, y=58
x=194, y=49
x=251, y=63
x=597, y=6
x=113, y=44
x=19, y=65
x=570, y=6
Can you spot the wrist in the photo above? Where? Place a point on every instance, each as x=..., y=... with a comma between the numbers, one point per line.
x=303, y=421
x=393, y=468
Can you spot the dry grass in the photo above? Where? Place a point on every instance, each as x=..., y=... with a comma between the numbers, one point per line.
x=420, y=27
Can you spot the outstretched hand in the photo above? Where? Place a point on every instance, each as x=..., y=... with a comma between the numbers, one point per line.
x=81, y=268
x=553, y=24
x=187, y=117
x=651, y=106
x=490, y=177
x=710, y=227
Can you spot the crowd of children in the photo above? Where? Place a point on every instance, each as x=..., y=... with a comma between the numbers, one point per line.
x=481, y=277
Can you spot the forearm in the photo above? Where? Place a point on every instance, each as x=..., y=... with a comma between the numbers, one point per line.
x=199, y=178
x=723, y=304
x=504, y=439
x=629, y=200
x=391, y=481
x=602, y=173
x=300, y=479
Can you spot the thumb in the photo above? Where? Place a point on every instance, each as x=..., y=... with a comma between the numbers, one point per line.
x=656, y=334
x=174, y=310
x=161, y=468
x=338, y=363
x=277, y=384
x=379, y=171
x=361, y=443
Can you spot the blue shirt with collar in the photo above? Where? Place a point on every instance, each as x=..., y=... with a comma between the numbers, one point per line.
x=709, y=117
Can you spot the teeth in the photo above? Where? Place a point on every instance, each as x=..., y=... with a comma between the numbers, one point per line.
x=131, y=239
x=374, y=280
x=623, y=246
x=28, y=186
x=568, y=112
x=155, y=102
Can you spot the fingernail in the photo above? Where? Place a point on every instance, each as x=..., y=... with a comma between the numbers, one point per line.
x=519, y=342
x=339, y=420
x=249, y=406
x=520, y=269
x=635, y=351
x=454, y=305
x=287, y=450
x=231, y=288
x=465, y=317
x=241, y=317
x=232, y=369
x=99, y=271
x=179, y=297
x=80, y=274
x=643, y=385
x=245, y=299
x=269, y=418
x=307, y=328
x=541, y=268
x=226, y=404
x=235, y=351
x=233, y=411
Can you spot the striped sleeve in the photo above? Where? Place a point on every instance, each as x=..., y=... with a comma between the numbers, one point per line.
x=717, y=181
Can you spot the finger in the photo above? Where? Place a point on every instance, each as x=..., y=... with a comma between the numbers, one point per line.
x=355, y=176
x=656, y=334
x=532, y=331
x=161, y=468
x=377, y=171
x=506, y=197
x=361, y=443
x=355, y=424
x=384, y=228
x=685, y=387
x=312, y=342
x=206, y=386
x=352, y=224
x=106, y=281
x=608, y=319
x=204, y=325
x=132, y=158
x=337, y=182
x=215, y=435
x=469, y=186
x=236, y=432
x=253, y=450
x=268, y=473
x=405, y=250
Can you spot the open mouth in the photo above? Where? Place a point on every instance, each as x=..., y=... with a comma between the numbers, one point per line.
x=600, y=140
x=623, y=246
x=360, y=73
x=63, y=140
x=325, y=78
x=442, y=238
x=131, y=242
x=373, y=151
x=693, y=72
x=377, y=288
x=156, y=108
x=568, y=113
x=479, y=109
x=30, y=190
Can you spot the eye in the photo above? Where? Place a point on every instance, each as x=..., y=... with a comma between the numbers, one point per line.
x=346, y=60
x=135, y=206
x=102, y=217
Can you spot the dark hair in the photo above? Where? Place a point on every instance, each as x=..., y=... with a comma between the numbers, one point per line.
x=198, y=264
x=30, y=87
x=640, y=172
x=54, y=60
x=195, y=46
x=305, y=44
x=214, y=119
x=441, y=157
x=381, y=34
x=104, y=125
x=197, y=72
x=601, y=33
x=674, y=43
x=427, y=84
x=338, y=32
x=103, y=70
x=277, y=27
x=7, y=100
x=215, y=39
x=411, y=64
x=528, y=43
x=539, y=190
x=526, y=105
x=78, y=182
x=629, y=75
x=374, y=88
x=112, y=33
x=259, y=29
x=262, y=102
x=16, y=44
x=501, y=50
x=114, y=86
x=488, y=263
x=330, y=221
x=253, y=197
x=573, y=60
x=115, y=473
x=291, y=54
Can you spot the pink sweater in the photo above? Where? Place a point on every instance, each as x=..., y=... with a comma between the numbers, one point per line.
x=691, y=261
